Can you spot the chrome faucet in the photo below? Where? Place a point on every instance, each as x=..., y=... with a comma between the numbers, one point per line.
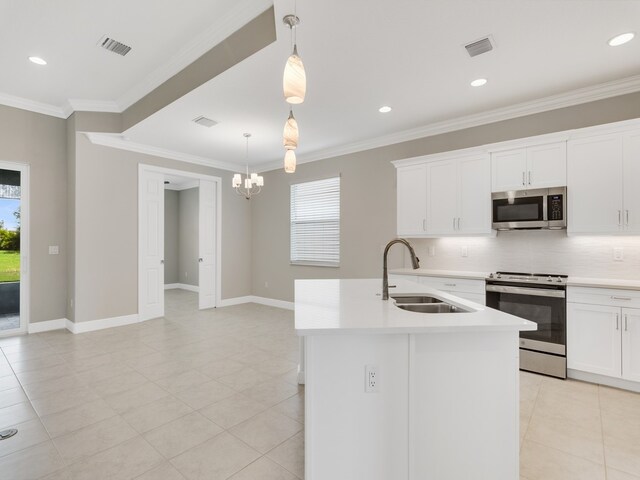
x=415, y=263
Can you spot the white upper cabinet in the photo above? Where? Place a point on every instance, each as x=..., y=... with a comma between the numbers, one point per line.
x=539, y=166
x=604, y=174
x=412, y=200
x=447, y=197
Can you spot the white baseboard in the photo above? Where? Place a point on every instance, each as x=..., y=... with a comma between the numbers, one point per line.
x=101, y=324
x=271, y=302
x=182, y=286
x=47, y=325
x=604, y=380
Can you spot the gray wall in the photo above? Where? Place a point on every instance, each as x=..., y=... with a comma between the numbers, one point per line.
x=107, y=257
x=40, y=141
x=171, y=243
x=368, y=193
x=188, y=230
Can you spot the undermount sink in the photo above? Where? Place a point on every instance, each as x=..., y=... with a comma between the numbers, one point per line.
x=404, y=299
x=432, y=308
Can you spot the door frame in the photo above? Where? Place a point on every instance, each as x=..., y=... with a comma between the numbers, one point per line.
x=25, y=260
x=218, y=236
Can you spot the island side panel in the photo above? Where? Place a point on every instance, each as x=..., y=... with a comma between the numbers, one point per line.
x=464, y=405
x=350, y=434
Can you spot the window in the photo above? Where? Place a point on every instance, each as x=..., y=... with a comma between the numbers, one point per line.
x=315, y=223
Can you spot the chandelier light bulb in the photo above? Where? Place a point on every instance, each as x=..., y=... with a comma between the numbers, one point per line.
x=290, y=161
x=291, y=134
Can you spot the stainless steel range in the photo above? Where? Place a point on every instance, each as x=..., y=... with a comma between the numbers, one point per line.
x=540, y=298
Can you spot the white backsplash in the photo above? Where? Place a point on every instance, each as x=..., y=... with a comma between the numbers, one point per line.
x=535, y=251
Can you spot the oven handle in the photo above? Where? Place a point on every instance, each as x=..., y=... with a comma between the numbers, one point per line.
x=537, y=292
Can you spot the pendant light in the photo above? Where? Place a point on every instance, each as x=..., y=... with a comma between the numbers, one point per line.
x=290, y=161
x=290, y=134
x=294, y=81
x=252, y=184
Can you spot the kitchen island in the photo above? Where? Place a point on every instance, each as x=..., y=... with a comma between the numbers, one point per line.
x=393, y=394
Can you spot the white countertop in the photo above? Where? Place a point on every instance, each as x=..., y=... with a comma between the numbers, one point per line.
x=603, y=283
x=439, y=273
x=356, y=306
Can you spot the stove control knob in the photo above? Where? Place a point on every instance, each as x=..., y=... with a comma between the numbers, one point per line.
x=498, y=276
x=559, y=280
x=491, y=275
x=549, y=279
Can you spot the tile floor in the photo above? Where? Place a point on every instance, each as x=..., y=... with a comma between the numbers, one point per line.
x=213, y=395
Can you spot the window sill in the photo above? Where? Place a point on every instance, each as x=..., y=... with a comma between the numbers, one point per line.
x=315, y=264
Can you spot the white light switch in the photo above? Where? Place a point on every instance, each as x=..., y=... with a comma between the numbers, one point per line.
x=464, y=251
x=618, y=254
x=432, y=251
x=54, y=250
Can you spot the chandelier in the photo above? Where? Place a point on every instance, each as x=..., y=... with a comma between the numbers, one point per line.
x=252, y=184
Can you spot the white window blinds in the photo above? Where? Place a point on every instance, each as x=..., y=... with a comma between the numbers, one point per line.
x=315, y=222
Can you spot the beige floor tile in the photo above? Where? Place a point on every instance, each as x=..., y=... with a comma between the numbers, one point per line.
x=136, y=397
x=245, y=378
x=37, y=363
x=63, y=400
x=266, y=430
x=118, y=384
x=88, y=441
x=17, y=413
x=233, y=410
x=276, y=366
x=271, y=392
x=125, y=461
x=221, y=368
x=620, y=401
x=103, y=372
x=538, y=462
x=73, y=419
x=264, y=469
x=182, y=381
x=164, y=471
x=290, y=454
x=162, y=370
x=623, y=426
x=12, y=396
x=292, y=407
x=613, y=474
x=152, y=415
x=180, y=435
x=9, y=382
x=30, y=463
x=200, y=396
x=29, y=433
x=570, y=392
x=42, y=374
x=622, y=455
x=48, y=387
x=567, y=437
x=558, y=407
x=216, y=459
x=63, y=474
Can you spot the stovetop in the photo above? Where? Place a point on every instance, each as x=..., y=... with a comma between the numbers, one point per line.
x=528, y=278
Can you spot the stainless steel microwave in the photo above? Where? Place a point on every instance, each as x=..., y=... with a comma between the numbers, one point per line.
x=530, y=209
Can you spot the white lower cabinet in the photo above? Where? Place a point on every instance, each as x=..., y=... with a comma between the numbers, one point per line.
x=604, y=339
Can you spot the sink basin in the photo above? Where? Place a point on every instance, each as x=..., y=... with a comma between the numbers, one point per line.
x=404, y=299
x=433, y=308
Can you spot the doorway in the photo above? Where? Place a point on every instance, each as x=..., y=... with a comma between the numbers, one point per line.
x=14, y=234
x=152, y=264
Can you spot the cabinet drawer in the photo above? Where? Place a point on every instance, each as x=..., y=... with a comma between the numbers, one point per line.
x=604, y=296
x=454, y=285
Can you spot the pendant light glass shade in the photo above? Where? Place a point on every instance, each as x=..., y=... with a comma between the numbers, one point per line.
x=294, y=81
x=290, y=134
x=290, y=161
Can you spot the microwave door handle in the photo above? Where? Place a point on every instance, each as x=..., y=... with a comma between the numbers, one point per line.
x=523, y=178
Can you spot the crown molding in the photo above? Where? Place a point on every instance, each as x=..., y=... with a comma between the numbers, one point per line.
x=116, y=141
x=33, y=106
x=568, y=99
x=242, y=13
x=80, y=105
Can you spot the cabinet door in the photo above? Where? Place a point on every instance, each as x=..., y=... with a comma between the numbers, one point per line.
x=631, y=344
x=474, y=196
x=412, y=200
x=508, y=170
x=547, y=165
x=594, y=185
x=631, y=169
x=594, y=339
x=442, y=197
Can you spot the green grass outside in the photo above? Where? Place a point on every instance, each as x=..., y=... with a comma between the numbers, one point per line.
x=9, y=266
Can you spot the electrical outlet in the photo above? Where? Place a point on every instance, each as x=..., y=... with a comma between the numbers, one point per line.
x=54, y=250
x=266, y=284
x=432, y=251
x=464, y=251
x=618, y=254
x=372, y=382
x=186, y=274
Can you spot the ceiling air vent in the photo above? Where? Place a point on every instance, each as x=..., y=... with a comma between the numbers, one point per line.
x=479, y=47
x=204, y=121
x=114, y=46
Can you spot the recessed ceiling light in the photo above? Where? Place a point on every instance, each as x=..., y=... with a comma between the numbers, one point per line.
x=621, y=39
x=478, y=82
x=384, y=109
x=37, y=60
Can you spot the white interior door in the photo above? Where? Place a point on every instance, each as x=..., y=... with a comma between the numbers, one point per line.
x=207, y=244
x=151, y=245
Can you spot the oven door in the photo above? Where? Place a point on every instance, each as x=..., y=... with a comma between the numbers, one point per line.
x=546, y=307
x=519, y=210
